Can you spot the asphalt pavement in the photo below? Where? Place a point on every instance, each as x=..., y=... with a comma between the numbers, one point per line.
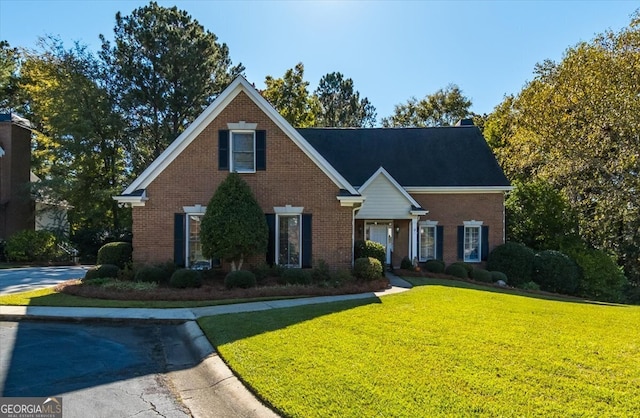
x=31, y=278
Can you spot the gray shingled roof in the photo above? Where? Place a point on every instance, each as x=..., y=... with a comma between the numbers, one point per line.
x=415, y=157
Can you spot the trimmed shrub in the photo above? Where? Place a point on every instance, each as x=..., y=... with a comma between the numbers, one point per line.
x=481, y=275
x=151, y=274
x=367, y=268
x=529, y=286
x=406, y=264
x=295, y=276
x=513, y=259
x=498, y=275
x=556, y=272
x=602, y=279
x=29, y=245
x=456, y=270
x=321, y=272
x=102, y=271
x=261, y=271
x=240, y=278
x=466, y=266
x=364, y=249
x=185, y=278
x=118, y=253
x=434, y=266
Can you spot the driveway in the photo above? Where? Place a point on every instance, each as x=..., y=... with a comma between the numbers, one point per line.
x=31, y=278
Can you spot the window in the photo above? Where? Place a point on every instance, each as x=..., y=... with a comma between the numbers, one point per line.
x=243, y=151
x=472, y=241
x=195, y=258
x=288, y=240
x=428, y=238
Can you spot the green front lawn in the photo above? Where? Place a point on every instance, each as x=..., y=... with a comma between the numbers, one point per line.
x=438, y=350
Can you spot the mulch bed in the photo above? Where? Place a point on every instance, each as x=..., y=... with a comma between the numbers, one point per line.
x=215, y=290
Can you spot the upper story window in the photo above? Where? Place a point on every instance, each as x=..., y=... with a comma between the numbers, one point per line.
x=243, y=151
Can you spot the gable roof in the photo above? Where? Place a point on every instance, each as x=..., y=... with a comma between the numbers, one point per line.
x=239, y=84
x=446, y=157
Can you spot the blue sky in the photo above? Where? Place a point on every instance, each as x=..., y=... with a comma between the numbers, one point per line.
x=392, y=50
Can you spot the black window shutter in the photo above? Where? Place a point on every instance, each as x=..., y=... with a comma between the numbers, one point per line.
x=261, y=150
x=271, y=246
x=460, y=242
x=307, y=259
x=178, y=239
x=485, y=243
x=439, y=239
x=223, y=150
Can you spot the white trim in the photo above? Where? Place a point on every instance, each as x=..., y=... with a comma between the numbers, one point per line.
x=288, y=210
x=242, y=126
x=277, y=236
x=231, y=160
x=194, y=210
x=350, y=201
x=428, y=224
x=239, y=84
x=457, y=189
x=472, y=223
x=385, y=173
x=476, y=225
x=133, y=201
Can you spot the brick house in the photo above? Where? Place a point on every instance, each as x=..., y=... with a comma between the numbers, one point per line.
x=421, y=192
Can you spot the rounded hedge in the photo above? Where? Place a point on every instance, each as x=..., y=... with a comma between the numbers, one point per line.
x=151, y=274
x=406, y=264
x=364, y=249
x=456, y=270
x=295, y=276
x=118, y=253
x=102, y=271
x=240, y=278
x=481, y=275
x=367, y=268
x=434, y=266
x=185, y=278
x=513, y=259
x=498, y=275
x=556, y=272
x=466, y=266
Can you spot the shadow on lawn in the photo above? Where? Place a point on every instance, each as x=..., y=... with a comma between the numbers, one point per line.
x=225, y=329
x=430, y=281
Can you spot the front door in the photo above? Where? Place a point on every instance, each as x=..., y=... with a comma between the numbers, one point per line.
x=380, y=234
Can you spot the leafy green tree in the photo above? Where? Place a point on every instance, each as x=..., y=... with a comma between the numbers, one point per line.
x=577, y=125
x=341, y=106
x=78, y=153
x=9, y=77
x=445, y=107
x=233, y=226
x=166, y=68
x=539, y=216
x=290, y=97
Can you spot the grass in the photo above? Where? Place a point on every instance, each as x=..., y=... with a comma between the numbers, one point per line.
x=438, y=350
x=49, y=297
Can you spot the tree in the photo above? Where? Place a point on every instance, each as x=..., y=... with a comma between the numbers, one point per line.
x=166, y=68
x=539, y=216
x=341, y=106
x=290, y=97
x=78, y=152
x=445, y=107
x=9, y=78
x=577, y=126
x=233, y=226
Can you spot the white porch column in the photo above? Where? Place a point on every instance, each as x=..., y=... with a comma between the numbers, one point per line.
x=413, y=240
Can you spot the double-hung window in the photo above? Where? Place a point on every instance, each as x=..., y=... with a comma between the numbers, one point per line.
x=243, y=151
x=472, y=241
x=289, y=236
x=428, y=240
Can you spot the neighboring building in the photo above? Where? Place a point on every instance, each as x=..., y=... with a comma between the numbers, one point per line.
x=17, y=207
x=421, y=192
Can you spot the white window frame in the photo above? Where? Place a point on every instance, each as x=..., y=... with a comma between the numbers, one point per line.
x=472, y=225
x=432, y=225
x=197, y=210
x=288, y=211
x=231, y=143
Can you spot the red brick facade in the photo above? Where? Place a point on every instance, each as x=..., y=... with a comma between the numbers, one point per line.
x=290, y=178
